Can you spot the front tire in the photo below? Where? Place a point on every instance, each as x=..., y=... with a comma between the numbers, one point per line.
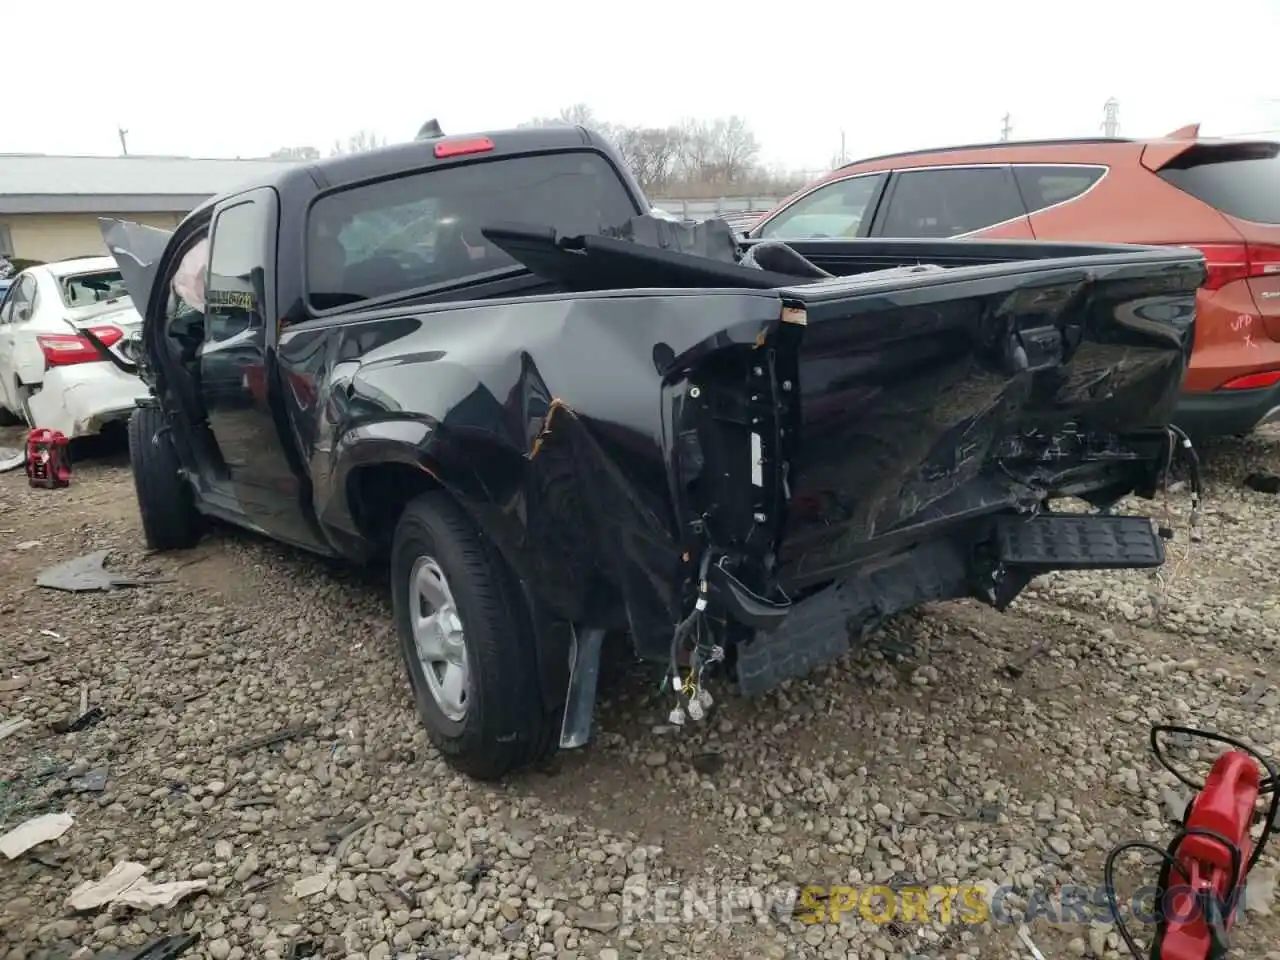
x=467, y=643
x=169, y=517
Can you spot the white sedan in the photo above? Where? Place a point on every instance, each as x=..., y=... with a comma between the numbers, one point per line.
x=68, y=342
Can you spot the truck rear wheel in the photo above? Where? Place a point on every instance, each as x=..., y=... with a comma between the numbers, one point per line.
x=467, y=644
x=169, y=517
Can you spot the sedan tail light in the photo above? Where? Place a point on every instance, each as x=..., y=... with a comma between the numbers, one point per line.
x=65, y=349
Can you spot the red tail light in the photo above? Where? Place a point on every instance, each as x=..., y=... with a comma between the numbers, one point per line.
x=463, y=146
x=1254, y=381
x=65, y=349
x=1228, y=262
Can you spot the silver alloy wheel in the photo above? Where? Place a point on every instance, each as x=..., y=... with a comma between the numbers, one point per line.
x=438, y=637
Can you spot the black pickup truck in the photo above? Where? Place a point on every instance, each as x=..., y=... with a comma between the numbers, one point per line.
x=564, y=420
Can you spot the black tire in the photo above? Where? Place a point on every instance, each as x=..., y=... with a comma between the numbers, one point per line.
x=169, y=517
x=505, y=726
x=8, y=418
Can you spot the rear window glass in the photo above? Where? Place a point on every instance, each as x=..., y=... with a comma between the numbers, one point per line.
x=423, y=229
x=86, y=289
x=1043, y=187
x=1240, y=180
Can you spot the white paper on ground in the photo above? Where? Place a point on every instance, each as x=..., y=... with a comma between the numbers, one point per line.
x=33, y=832
x=126, y=884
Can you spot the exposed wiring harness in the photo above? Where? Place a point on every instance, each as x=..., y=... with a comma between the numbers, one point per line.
x=1226, y=799
x=1181, y=446
x=692, y=697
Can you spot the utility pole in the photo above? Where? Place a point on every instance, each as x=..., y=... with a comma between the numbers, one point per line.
x=1111, y=118
x=121, y=132
x=1006, y=128
x=844, y=157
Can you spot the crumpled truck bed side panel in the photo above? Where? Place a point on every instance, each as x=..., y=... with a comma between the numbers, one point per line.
x=543, y=417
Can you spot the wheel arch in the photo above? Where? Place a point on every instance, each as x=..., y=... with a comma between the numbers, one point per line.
x=377, y=477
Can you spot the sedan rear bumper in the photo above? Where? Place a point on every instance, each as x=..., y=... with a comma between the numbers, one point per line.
x=1224, y=413
x=78, y=400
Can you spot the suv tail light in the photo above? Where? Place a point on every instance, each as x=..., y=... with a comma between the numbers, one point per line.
x=65, y=349
x=1253, y=381
x=1229, y=262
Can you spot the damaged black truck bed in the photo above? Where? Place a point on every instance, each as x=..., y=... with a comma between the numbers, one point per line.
x=563, y=419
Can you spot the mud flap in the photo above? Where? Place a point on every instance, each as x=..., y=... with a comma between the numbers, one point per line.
x=1079, y=542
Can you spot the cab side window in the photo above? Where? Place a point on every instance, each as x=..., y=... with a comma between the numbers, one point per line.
x=837, y=210
x=235, y=293
x=950, y=201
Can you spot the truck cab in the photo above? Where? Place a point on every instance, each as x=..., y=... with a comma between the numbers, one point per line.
x=386, y=228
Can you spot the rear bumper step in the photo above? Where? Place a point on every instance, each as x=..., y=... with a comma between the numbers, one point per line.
x=1079, y=542
x=825, y=626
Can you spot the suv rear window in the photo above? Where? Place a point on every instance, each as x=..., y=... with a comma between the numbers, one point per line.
x=423, y=229
x=1240, y=179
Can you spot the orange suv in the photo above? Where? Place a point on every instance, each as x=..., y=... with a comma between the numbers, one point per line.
x=1221, y=196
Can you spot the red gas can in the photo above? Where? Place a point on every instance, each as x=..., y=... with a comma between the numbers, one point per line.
x=48, y=459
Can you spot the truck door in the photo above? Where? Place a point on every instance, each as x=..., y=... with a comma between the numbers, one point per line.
x=235, y=363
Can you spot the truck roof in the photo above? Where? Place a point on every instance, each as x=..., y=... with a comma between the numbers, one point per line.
x=352, y=168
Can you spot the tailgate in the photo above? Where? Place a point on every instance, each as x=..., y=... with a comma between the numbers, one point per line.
x=915, y=384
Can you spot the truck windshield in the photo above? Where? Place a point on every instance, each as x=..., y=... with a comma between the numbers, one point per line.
x=423, y=229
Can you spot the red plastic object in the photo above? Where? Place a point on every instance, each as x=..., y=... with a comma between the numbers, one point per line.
x=48, y=460
x=1224, y=806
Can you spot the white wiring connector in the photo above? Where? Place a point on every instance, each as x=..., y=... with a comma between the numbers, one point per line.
x=695, y=708
x=676, y=717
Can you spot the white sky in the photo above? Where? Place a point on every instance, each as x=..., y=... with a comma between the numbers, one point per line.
x=244, y=77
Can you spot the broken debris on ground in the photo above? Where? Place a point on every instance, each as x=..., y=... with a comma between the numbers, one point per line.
x=88, y=573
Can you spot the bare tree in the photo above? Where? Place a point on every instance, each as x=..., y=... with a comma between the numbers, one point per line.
x=650, y=152
x=694, y=157
x=735, y=148
x=579, y=115
x=296, y=153
x=358, y=143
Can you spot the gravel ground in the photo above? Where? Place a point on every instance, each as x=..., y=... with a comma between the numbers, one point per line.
x=963, y=747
